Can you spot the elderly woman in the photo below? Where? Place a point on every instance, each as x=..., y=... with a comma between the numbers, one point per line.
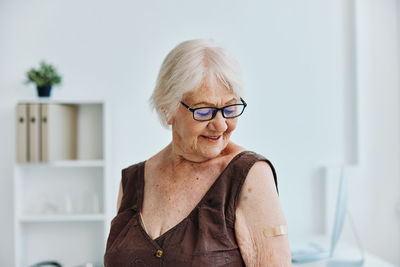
x=202, y=200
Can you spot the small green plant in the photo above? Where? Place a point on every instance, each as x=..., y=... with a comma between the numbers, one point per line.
x=46, y=75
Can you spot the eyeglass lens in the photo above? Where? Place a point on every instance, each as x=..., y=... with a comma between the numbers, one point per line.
x=208, y=113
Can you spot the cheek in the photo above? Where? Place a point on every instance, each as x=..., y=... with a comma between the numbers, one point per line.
x=192, y=130
x=183, y=125
x=231, y=125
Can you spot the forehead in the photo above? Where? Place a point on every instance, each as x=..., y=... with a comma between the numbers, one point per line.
x=215, y=94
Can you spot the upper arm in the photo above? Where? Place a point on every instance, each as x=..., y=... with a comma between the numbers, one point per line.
x=258, y=209
x=120, y=194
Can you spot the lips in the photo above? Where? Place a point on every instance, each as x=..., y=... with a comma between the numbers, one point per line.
x=211, y=138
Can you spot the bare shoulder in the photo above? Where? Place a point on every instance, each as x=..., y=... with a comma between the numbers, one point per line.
x=233, y=148
x=261, y=179
x=156, y=163
x=258, y=210
x=156, y=159
x=259, y=196
x=231, y=151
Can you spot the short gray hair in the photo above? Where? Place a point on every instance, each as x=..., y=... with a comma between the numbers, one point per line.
x=186, y=68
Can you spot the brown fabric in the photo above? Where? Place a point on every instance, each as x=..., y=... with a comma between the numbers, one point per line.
x=204, y=238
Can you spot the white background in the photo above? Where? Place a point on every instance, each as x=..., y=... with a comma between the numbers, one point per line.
x=322, y=90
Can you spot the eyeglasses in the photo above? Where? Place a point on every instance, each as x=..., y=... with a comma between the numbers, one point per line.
x=208, y=113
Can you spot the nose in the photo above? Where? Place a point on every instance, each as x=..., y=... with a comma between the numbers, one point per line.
x=218, y=123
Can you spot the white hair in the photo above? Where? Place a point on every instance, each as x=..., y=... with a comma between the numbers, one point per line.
x=189, y=65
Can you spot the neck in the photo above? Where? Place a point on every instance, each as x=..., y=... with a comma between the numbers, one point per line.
x=175, y=159
x=174, y=164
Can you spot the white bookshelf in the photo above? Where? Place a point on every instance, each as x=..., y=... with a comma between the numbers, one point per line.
x=67, y=163
x=60, y=210
x=61, y=218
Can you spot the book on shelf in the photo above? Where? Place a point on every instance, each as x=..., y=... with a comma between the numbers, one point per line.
x=46, y=132
x=59, y=132
x=34, y=132
x=22, y=133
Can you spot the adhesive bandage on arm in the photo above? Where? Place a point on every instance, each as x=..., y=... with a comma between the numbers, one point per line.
x=275, y=231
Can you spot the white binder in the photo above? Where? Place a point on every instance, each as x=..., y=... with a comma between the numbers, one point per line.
x=34, y=132
x=58, y=132
x=22, y=133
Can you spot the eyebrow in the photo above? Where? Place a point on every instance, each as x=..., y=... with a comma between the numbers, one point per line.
x=208, y=104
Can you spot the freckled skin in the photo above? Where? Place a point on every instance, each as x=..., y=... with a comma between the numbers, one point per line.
x=257, y=212
x=188, y=135
x=190, y=164
x=177, y=177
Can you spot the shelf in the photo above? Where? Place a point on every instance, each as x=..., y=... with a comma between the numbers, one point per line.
x=62, y=218
x=60, y=198
x=65, y=163
x=69, y=243
x=41, y=100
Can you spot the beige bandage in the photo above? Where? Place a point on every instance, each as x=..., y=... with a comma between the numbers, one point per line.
x=275, y=231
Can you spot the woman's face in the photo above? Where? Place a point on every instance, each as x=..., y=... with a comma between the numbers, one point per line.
x=202, y=140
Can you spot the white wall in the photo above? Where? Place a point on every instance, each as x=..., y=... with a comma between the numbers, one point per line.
x=375, y=181
x=374, y=194
x=294, y=55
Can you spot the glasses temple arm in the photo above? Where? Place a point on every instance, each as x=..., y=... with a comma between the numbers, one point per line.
x=186, y=106
x=244, y=102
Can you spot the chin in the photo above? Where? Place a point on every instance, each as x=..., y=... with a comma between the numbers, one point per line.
x=212, y=152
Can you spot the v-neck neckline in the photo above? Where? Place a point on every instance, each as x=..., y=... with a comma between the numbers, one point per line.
x=179, y=224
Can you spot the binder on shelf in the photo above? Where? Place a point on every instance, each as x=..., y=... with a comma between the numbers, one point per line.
x=22, y=133
x=58, y=132
x=34, y=132
x=41, y=186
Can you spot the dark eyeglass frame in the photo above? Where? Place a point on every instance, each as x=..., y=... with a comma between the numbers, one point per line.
x=215, y=110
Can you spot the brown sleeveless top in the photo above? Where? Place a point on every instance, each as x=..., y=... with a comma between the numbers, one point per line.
x=204, y=238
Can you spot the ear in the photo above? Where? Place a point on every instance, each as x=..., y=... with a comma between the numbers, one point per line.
x=169, y=119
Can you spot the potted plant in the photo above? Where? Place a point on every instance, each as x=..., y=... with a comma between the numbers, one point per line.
x=44, y=78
